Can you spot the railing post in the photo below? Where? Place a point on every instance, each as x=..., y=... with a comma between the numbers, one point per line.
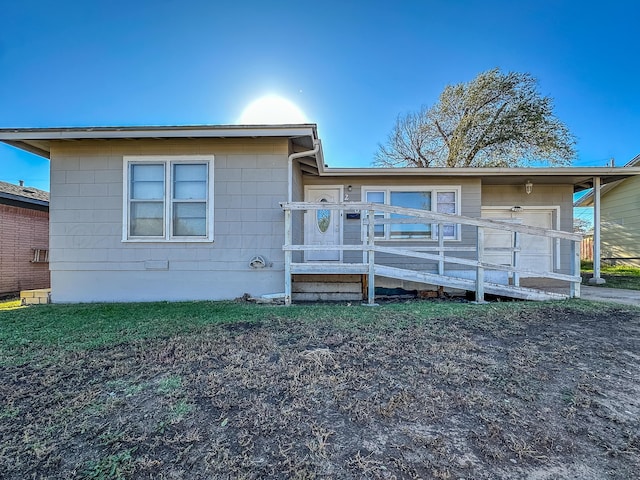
x=574, y=289
x=441, y=249
x=287, y=256
x=516, y=258
x=371, y=291
x=363, y=235
x=480, y=268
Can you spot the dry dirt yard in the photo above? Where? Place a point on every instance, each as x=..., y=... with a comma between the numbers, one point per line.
x=544, y=392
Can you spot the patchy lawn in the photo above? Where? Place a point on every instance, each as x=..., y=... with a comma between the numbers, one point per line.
x=412, y=390
x=616, y=276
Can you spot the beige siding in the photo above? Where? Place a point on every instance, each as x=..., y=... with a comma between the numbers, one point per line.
x=620, y=222
x=89, y=261
x=541, y=196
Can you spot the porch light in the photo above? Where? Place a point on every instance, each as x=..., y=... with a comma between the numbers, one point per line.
x=528, y=187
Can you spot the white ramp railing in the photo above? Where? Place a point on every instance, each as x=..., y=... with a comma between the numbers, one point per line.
x=439, y=252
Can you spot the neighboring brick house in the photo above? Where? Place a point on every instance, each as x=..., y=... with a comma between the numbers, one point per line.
x=24, y=238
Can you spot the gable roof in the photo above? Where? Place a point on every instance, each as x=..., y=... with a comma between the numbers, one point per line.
x=587, y=199
x=10, y=193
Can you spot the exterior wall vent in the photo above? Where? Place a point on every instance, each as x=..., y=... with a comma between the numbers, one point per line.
x=258, y=262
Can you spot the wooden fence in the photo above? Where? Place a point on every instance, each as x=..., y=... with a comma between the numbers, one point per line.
x=586, y=249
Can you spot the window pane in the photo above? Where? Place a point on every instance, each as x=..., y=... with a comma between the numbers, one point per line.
x=147, y=182
x=419, y=200
x=189, y=181
x=449, y=230
x=447, y=202
x=375, y=197
x=189, y=219
x=146, y=219
x=446, y=197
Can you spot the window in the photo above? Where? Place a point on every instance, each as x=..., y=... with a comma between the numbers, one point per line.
x=435, y=199
x=168, y=198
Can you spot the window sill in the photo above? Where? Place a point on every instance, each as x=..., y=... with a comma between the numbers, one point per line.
x=173, y=240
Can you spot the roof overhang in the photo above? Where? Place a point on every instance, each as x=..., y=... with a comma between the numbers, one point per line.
x=580, y=177
x=18, y=200
x=587, y=200
x=38, y=140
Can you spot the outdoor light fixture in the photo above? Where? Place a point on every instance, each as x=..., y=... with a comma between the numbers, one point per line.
x=528, y=187
x=346, y=195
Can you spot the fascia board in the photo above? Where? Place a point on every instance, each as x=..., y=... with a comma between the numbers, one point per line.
x=155, y=132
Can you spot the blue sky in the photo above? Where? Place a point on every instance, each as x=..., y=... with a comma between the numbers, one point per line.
x=351, y=66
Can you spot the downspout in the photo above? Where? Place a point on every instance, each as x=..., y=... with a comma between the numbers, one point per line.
x=292, y=157
x=596, y=279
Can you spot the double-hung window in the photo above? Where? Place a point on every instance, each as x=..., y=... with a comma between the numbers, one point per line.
x=168, y=198
x=435, y=199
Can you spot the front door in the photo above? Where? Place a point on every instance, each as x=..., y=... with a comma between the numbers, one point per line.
x=323, y=227
x=536, y=252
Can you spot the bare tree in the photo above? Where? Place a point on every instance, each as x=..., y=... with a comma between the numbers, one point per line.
x=496, y=120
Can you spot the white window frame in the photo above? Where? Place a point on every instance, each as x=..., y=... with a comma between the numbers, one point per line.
x=168, y=161
x=434, y=189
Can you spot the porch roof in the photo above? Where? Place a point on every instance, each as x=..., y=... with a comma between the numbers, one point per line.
x=587, y=199
x=580, y=177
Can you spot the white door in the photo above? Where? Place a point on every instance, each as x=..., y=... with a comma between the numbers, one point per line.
x=323, y=227
x=536, y=252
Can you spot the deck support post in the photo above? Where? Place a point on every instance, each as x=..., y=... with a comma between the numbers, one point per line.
x=596, y=279
x=574, y=287
x=516, y=258
x=371, y=283
x=441, y=249
x=287, y=256
x=480, y=268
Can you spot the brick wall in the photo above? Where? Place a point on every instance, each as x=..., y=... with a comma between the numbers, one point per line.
x=22, y=230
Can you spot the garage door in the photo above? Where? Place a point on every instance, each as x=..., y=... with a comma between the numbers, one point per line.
x=536, y=253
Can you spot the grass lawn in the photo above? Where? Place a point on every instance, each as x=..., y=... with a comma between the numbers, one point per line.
x=423, y=389
x=616, y=276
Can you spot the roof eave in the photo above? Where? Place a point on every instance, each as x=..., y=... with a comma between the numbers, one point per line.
x=486, y=171
x=26, y=138
x=196, y=131
x=19, y=198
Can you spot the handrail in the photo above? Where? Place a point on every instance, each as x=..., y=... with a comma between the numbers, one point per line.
x=435, y=217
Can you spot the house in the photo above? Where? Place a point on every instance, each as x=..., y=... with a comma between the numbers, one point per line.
x=212, y=212
x=619, y=219
x=24, y=238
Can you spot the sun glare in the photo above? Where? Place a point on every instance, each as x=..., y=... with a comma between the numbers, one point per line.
x=270, y=110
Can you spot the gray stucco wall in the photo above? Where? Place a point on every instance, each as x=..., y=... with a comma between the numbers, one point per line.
x=89, y=262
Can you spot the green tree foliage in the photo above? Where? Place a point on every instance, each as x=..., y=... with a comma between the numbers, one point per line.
x=495, y=120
